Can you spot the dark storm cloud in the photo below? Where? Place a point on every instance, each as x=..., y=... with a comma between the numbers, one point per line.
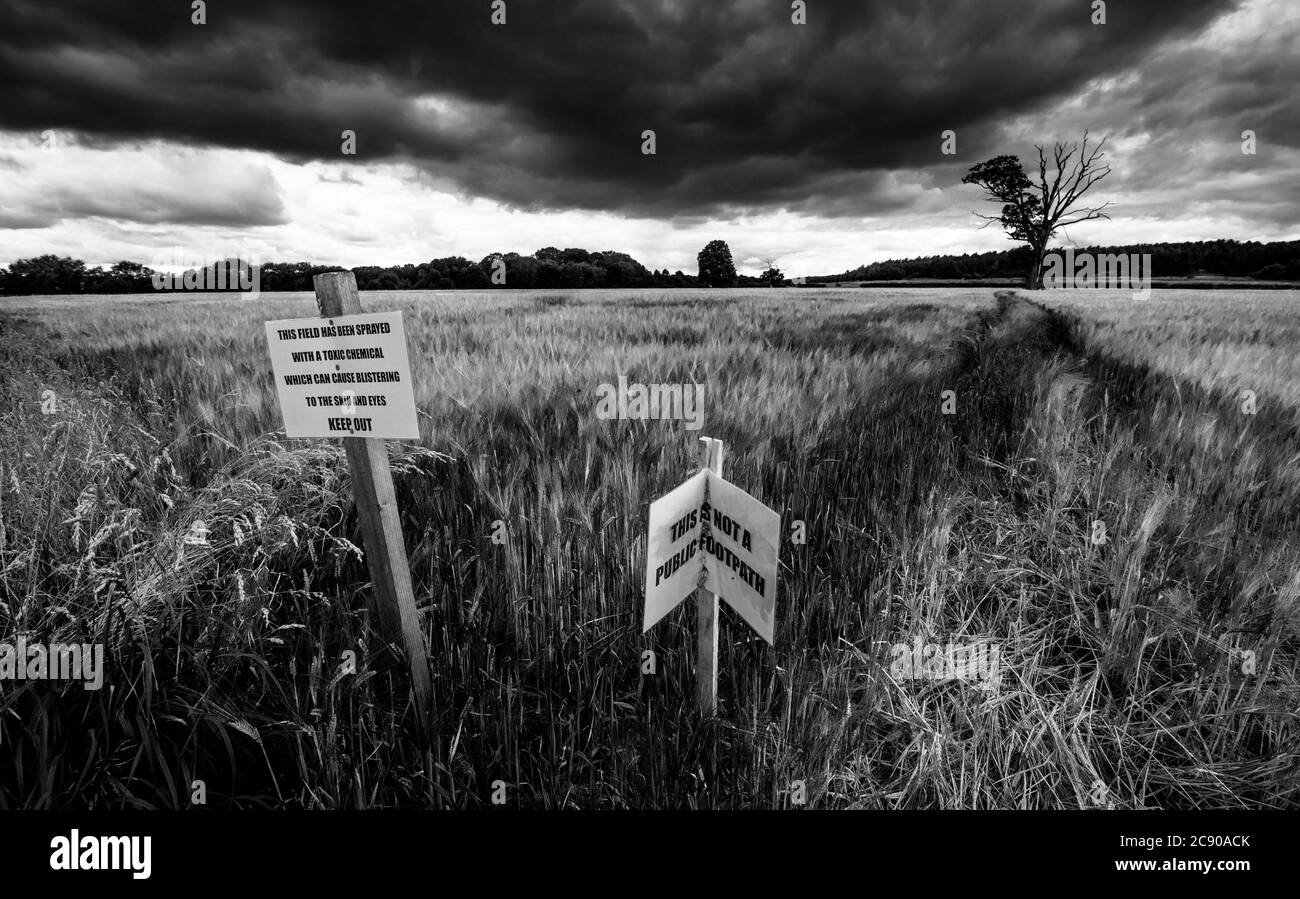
x=547, y=111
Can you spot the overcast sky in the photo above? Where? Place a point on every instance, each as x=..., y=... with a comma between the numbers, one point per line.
x=816, y=144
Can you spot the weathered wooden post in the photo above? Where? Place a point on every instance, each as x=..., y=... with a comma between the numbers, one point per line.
x=381, y=528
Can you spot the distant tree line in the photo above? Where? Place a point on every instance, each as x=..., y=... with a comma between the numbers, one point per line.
x=549, y=267
x=60, y=274
x=576, y=269
x=1276, y=261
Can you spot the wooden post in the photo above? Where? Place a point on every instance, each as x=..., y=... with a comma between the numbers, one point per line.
x=381, y=529
x=706, y=608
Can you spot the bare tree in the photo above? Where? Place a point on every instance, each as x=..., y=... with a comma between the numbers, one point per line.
x=771, y=276
x=1033, y=213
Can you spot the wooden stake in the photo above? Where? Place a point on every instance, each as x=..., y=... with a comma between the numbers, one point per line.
x=381, y=528
x=706, y=608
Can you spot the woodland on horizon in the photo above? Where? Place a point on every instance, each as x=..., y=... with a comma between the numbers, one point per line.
x=578, y=269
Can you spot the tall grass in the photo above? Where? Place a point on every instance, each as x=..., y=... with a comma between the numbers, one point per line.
x=225, y=657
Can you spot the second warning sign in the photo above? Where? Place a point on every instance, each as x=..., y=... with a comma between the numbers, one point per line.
x=709, y=533
x=347, y=376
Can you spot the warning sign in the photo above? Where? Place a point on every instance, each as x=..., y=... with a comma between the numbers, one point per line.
x=346, y=376
x=740, y=550
x=672, y=554
x=710, y=533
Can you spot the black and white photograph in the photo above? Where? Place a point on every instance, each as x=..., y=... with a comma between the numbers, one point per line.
x=563, y=411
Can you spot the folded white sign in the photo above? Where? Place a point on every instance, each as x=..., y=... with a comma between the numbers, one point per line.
x=709, y=533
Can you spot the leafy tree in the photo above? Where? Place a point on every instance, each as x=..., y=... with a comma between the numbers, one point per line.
x=621, y=270
x=716, y=267
x=582, y=274
x=772, y=276
x=471, y=277
x=549, y=274
x=123, y=277
x=1032, y=213
x=45, y=274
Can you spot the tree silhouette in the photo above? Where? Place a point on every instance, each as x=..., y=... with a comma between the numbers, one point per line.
x=716, y=267
x=1033, y=213
x=772, y=275
x=45, y=274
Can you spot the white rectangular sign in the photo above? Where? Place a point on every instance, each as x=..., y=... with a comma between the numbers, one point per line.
x=740, y=552
x=672, y=568
x=735, y=557
x=346, y=376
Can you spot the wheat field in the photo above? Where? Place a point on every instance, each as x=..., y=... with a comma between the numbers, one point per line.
x=1154, y=667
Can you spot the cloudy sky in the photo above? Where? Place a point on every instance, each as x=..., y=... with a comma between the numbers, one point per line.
x=127, y=130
